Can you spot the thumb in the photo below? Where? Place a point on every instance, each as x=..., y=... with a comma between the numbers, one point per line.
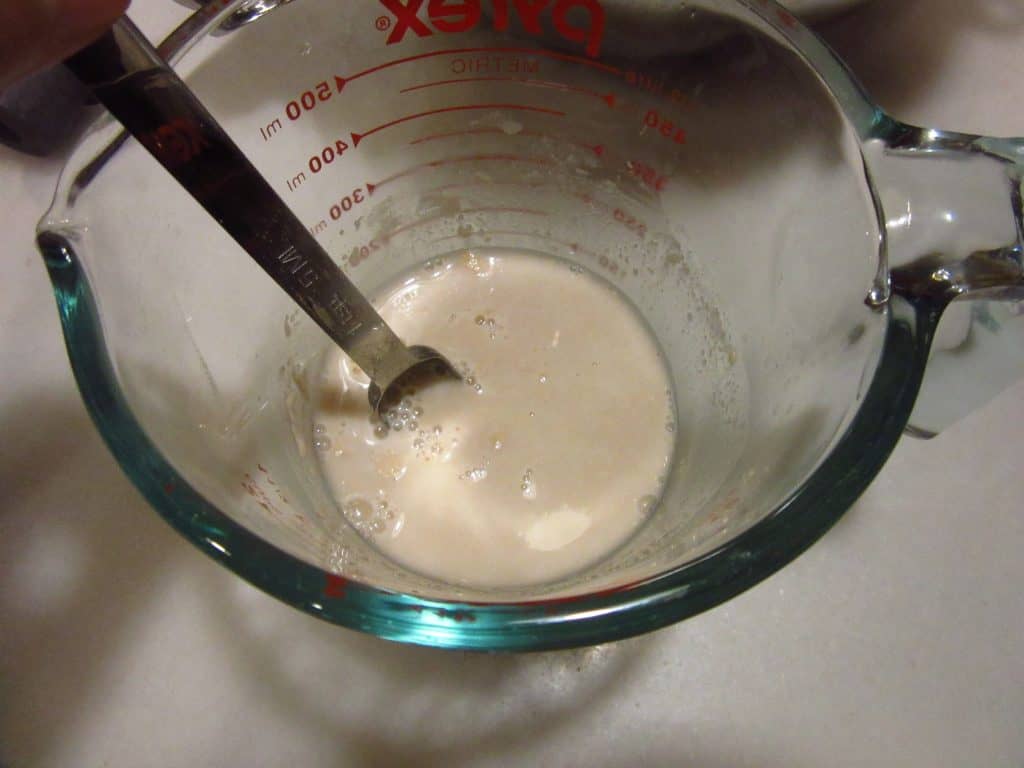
x=35, y=34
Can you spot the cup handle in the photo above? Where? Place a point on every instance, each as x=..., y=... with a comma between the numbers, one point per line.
x=954, y=246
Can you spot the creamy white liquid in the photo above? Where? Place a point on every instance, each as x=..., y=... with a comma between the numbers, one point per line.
x=546, y=458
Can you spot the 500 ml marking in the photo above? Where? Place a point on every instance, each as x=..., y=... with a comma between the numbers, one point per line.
x=271, y=128
x=308, y=100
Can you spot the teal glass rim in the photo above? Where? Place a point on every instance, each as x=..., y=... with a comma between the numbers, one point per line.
x=544, y=624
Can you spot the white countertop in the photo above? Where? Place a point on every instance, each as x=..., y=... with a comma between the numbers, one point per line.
x=898, y=639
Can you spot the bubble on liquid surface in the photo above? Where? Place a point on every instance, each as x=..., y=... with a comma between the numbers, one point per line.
x=357, y=509
x=491, y=452
x=367, y=517
x=474, y=475
x=528, y=486
x=402, y=415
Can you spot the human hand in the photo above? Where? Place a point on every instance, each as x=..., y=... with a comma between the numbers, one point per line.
x=35, y=34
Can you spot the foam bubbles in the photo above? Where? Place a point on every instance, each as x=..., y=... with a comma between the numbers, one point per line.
x=528, y=486
x=474, y=475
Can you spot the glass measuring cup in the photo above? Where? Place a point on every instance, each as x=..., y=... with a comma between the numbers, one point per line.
x=741, y=193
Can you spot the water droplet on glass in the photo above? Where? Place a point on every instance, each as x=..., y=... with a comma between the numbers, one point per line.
x=646, y=504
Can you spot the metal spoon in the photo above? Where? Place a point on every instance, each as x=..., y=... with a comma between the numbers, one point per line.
x=130, y=79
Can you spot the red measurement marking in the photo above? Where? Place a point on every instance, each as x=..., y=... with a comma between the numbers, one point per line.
x=607, y=98
x=597, y=149
x=623, y=217
x=470, y=184
x=358, y=137
x=453, y=134
x=788, y=19
x=457, y=616
x=573, y=247
x=341, y=82
x=335, y=586
x=405, y=228
x=453, y=160
x=647, y=175
x=664, y=126
x=348, y=202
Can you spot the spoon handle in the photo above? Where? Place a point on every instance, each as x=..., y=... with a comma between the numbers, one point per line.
x=129, y=78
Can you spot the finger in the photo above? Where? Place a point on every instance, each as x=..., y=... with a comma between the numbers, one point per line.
x=37, y=33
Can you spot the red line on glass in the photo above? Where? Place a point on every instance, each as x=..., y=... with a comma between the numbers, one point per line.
x=607, y=98
x=358, y=137
x=405, y=228
x=459, y=159
x=597, y=149
x=341, y=82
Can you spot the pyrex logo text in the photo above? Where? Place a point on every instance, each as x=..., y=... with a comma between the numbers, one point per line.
x=462, y=15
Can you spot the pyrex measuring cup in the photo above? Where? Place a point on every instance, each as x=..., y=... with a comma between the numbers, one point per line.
x=790, y=246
